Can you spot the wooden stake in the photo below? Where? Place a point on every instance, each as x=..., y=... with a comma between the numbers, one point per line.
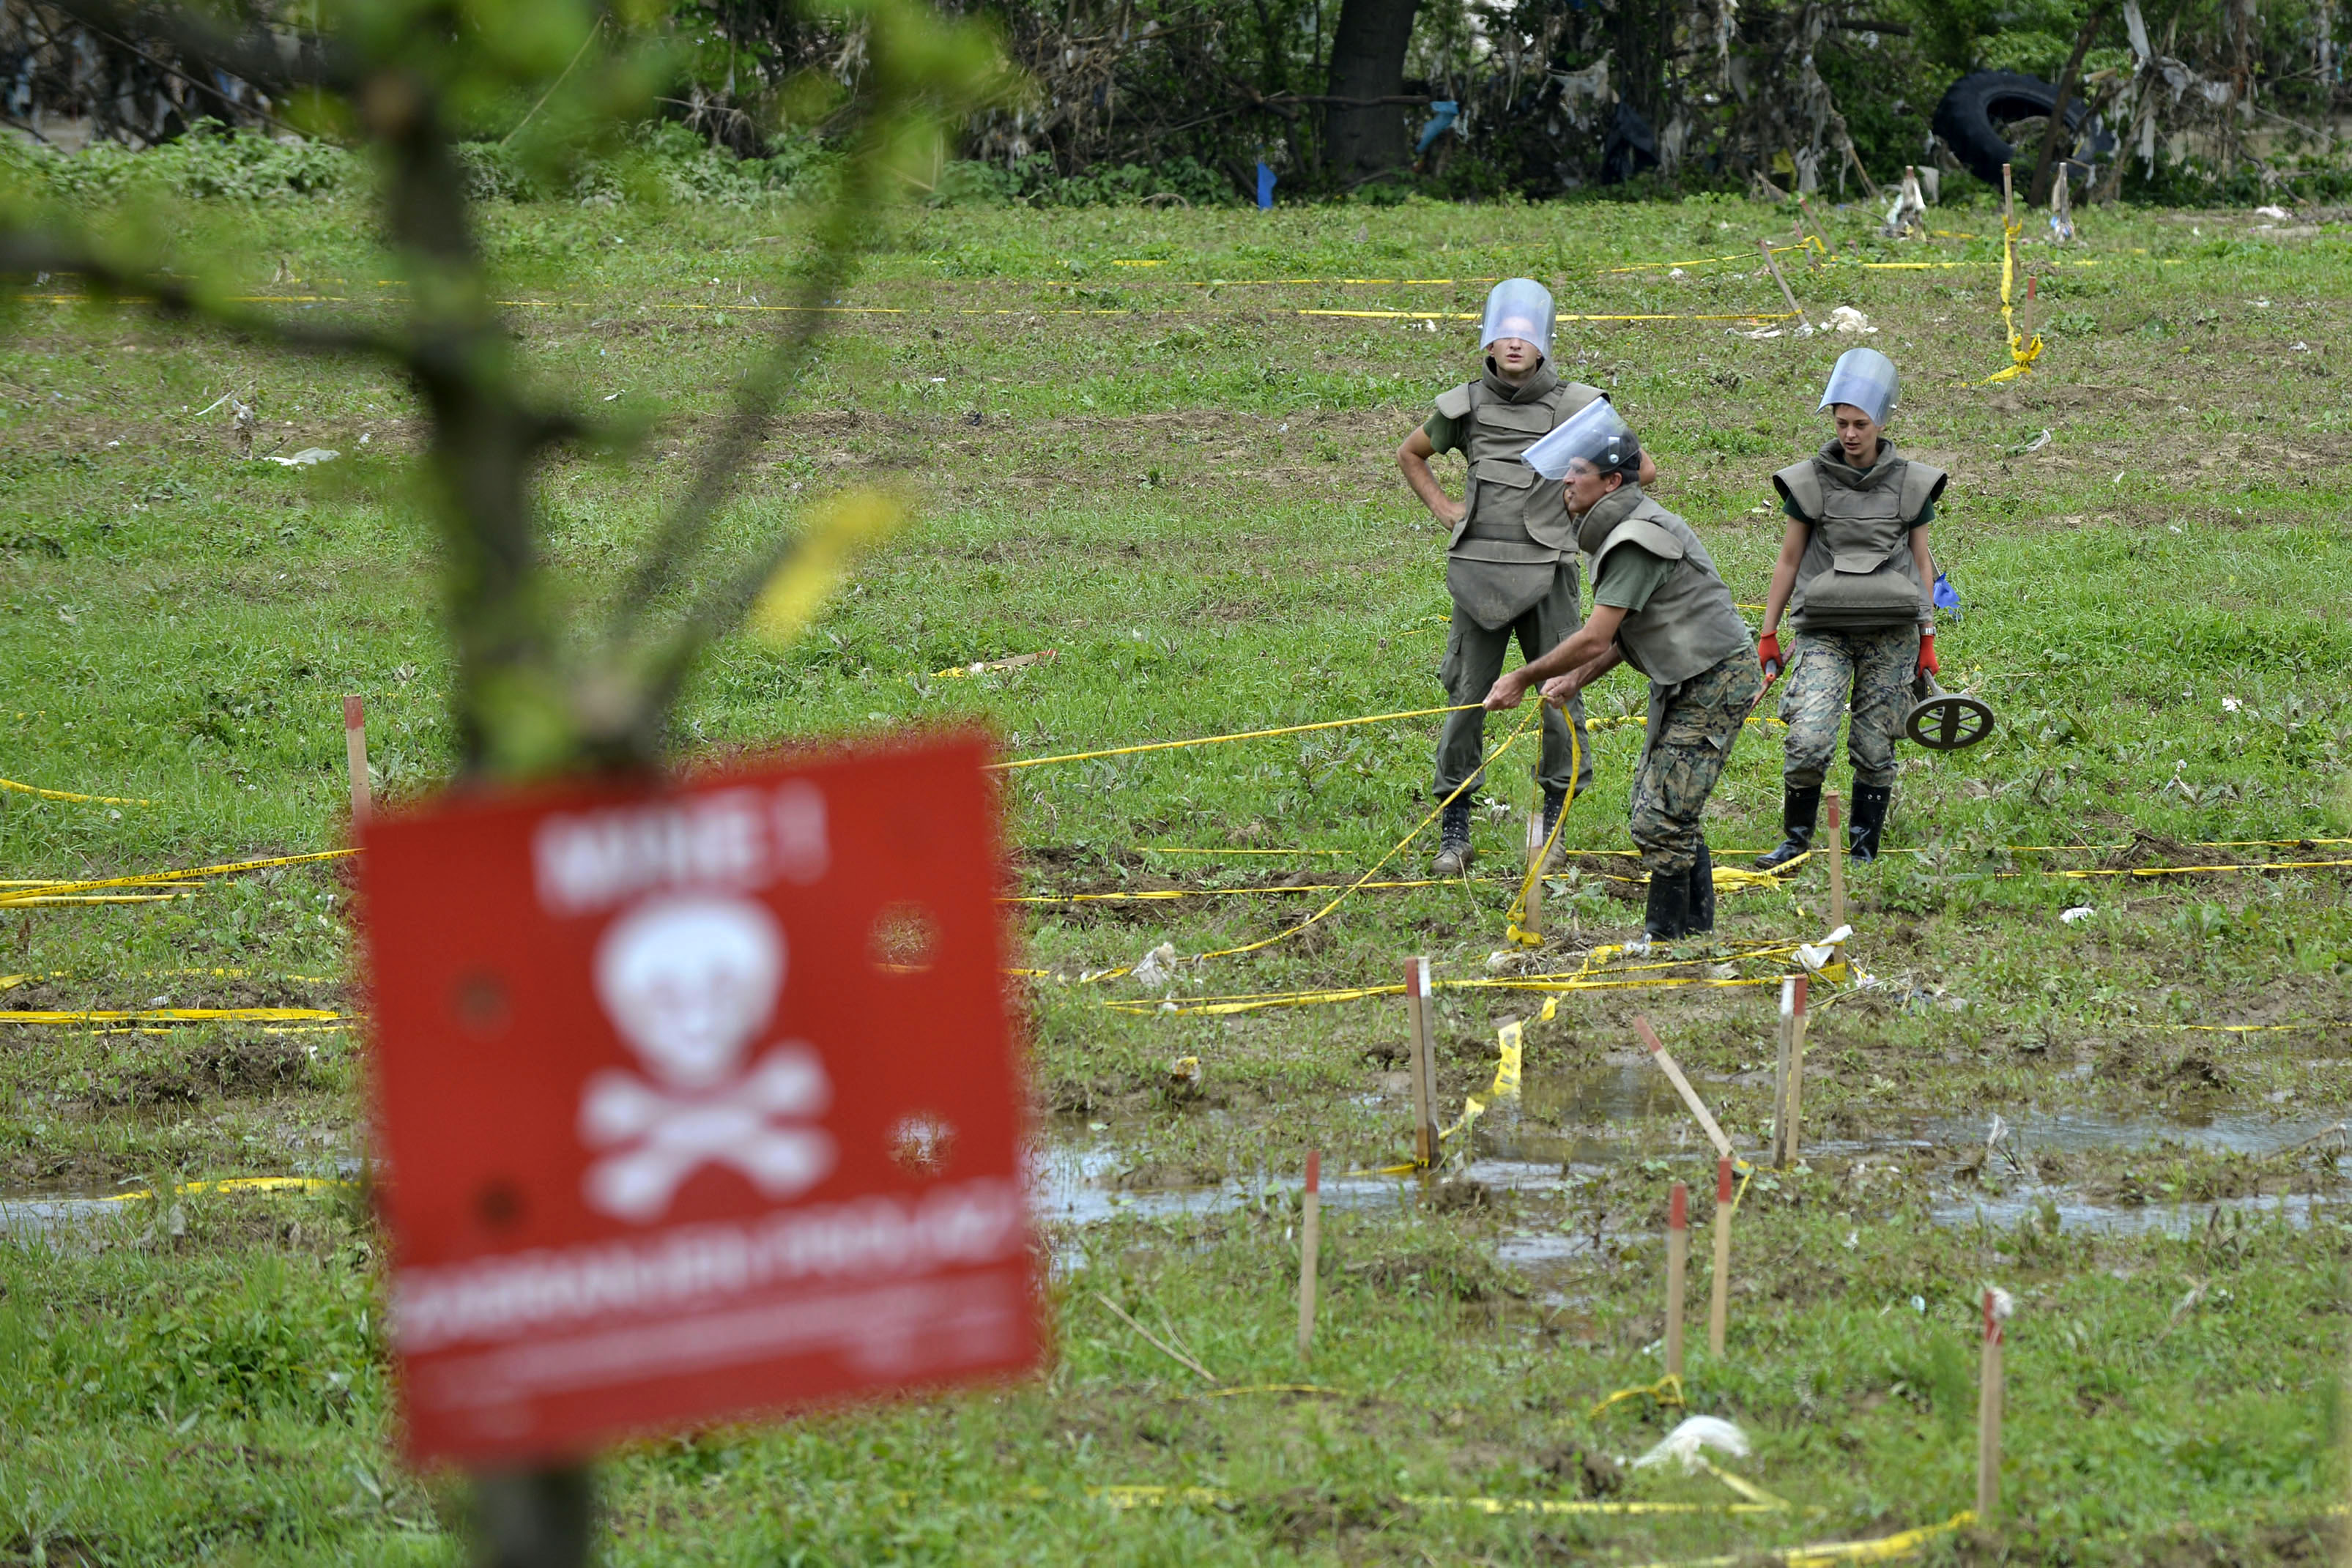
x=1423, y=1063
x=1683, y=1086
x=2026, y=331
x=1869, y=185
x=1677, y=1265
x=1790, y=1144
x=1531, y=916
x=1718, y=1303
x=2008, y=199
x=1774, y=263
x=1988, y=1403
x=1837, y=859
x=355, y=754
x=1785, y=1043
x=1310, y=1249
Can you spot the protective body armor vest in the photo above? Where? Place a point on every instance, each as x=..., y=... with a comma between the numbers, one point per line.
x=1689, y=624
x=1514, y=514
x=1857, y=573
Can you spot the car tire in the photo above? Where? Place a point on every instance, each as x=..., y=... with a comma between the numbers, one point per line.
x=1973, y=110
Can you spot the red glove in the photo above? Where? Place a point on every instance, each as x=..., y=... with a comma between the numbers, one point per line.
x=1768, y=652
x=1928, y=666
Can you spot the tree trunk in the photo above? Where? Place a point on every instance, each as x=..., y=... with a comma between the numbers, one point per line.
x=1368, y=61
x=1644, y=38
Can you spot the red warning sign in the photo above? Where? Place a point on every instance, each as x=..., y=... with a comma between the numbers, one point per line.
x=695, y=1102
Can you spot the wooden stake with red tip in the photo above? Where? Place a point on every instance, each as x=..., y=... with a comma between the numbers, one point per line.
x=1837, y=859
x=1719, y=1306
x=355, y=754
x=1311, y=1248
x=1677, y=1265
x=1989, y=1410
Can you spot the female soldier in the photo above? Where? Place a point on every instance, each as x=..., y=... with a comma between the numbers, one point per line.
x=1854, y=574
x=1658, y=604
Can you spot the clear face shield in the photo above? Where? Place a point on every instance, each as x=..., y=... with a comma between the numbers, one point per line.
x=1864, y=378
x=1595, y=434
x=1518, y=308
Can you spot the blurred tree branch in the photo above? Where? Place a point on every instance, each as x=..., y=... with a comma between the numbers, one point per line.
x=405, y=75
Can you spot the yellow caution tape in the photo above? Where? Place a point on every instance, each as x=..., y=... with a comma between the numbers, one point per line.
x=1131, y=1497
x=1394, y=850
x=1541, y=862
x=1629, y=316
x=69, y=795
x=1667, y=1391
x=29, y=900
x=175, y=1015
x=2022, y=354
x=1019, y=661
x=1162, y=894
x=1827, y=1555
x=1222, y=739
x=155, y=878
x=242, y=1184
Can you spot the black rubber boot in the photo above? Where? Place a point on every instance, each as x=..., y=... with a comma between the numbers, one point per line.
x=1800, y=808
x=1453, y=841
x=1702, y=893
x=1870, y=803
x=1669, y=913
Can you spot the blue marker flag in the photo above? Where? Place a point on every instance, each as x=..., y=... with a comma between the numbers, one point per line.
x=1442, y=115
x=1265, y=187
x=1946, y=596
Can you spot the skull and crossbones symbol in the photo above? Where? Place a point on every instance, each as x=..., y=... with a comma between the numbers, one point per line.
x=688, y=980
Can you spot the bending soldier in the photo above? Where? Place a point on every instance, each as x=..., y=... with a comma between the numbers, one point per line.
x=1511, y=553
x=1853, y=573
x=1658, y=604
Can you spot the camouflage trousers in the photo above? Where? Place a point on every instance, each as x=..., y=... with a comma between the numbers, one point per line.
x=1832, y=673
x=1692, y=731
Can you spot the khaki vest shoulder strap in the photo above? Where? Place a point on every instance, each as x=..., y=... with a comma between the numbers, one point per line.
x=1571, y=397
x=1802, y=483
x=1922, y=486
x=1454, y=403
x=1640, y=530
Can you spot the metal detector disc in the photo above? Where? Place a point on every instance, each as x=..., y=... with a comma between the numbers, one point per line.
x=1948, y=722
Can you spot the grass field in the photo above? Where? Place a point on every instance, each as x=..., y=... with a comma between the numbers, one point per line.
x=1183, y=487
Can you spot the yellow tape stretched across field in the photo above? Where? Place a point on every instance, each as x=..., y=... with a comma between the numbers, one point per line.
x=69, y=795
x=1221, y=739
x=177, y=1015
x=1628, y=316
x=1828, y=1554
x=241, y=1184
x=159, y=878
x=1632, y=720
x=1393, y=850
x=1217, y=1007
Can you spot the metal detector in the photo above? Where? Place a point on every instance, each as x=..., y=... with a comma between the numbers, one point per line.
x=1945, y=721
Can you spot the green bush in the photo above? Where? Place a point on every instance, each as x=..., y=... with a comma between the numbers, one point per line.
x=211, y=161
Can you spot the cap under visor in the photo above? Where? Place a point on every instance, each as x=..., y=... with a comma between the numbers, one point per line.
x=1595, y=432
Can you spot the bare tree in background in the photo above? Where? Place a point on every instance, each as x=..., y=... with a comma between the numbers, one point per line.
x=1365, y=137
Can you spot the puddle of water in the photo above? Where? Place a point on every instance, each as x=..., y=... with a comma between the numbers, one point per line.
x=2071, y=1131
x=2007, y=1210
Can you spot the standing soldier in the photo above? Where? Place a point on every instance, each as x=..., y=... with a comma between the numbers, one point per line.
x=1659, y=605
x=1511, y=562
x=1853, y=572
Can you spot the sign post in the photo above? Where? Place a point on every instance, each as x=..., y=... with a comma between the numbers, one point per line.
x=698, y=1102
